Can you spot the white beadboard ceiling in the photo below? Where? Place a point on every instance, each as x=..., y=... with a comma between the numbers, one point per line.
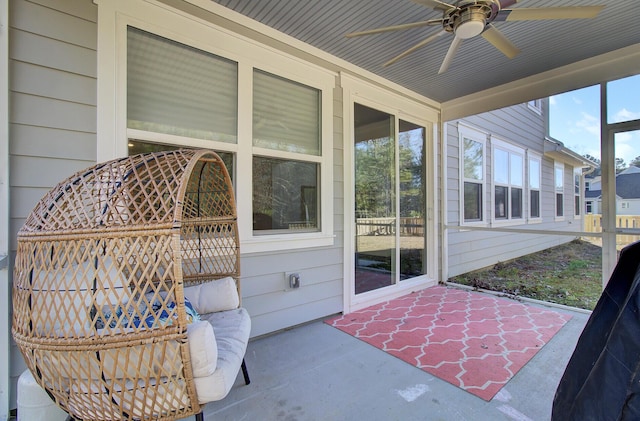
x=477, y=66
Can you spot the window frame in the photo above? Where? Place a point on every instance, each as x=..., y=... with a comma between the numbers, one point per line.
x=113, y=134
x=534, y=157
x=535, y=105
x=476, y=135
x=511, y=150
x=578, y=202
x=559, y=166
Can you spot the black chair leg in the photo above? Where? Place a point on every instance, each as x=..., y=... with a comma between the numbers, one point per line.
x=245, y=373
x=199, y=416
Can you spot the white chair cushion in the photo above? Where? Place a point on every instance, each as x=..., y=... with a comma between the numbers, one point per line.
x=203, y=348
x=232, y=329
x=213, y=296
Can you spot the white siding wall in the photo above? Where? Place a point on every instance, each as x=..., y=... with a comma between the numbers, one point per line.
x=633, y=207
x=52, y=85
x=471, y=250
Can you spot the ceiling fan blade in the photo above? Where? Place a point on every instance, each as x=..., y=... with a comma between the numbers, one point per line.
x=414, y=48
x=507, y=3
x=452, y=52
x=395, y=28
x=498, y=40
x=543, y=13
x=435, y=4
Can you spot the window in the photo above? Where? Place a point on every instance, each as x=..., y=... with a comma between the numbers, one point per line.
x=286, y=117
x=270, y=136
x=508, y=179
x=577, y=175
x=161, y=99
x=589, y=207
x=535, y=106
x=473, y=169
x=535, y=165
x=559, y=188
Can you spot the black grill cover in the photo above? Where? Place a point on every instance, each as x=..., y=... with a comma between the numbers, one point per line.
x=602, y=379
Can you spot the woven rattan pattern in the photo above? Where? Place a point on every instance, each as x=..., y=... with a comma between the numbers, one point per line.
x=96, y=254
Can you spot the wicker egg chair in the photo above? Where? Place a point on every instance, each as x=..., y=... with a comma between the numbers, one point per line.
x=104, y=262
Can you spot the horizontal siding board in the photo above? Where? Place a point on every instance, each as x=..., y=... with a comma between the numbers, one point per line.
x=473, y=250
x=267, y=323
x=84, y=9
x=14, y=226
x=491, y=254
x=51, y=23
x=46, y=82
x=338, y=209
x=47, y=52
x=28, y=171
x=277, y=282
x=54, y=143
x=47, y=112
x=23, y=200
x=260, y=264
x=278, y=301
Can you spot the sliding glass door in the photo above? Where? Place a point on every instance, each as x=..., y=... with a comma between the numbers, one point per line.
x=412, y=184
x=389, y=199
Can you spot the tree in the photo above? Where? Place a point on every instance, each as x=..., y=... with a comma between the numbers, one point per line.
x=620, y=164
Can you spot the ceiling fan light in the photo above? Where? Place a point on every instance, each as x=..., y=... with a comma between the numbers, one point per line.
x=470, y=29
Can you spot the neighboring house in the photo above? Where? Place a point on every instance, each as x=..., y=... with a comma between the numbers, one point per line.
x=592, y=201
x=627, y=193
x=309, y=140
x=504, y=172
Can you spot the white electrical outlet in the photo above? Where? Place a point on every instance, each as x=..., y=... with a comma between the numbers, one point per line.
x=294, y=280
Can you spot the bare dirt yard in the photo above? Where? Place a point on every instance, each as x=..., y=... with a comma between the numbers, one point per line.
x=570, y=274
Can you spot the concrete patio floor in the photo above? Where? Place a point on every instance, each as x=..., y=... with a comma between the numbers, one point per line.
x=316, y=372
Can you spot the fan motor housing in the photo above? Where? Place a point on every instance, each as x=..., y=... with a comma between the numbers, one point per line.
x=480, y=11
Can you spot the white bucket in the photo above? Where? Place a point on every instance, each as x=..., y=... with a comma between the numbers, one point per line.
x=33, y=402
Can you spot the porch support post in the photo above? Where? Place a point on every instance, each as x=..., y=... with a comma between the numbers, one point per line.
x=5, y=319
x=441, y=137
x=608, y=168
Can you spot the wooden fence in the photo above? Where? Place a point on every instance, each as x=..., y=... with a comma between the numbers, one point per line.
x=387, y=226
x=593, y=223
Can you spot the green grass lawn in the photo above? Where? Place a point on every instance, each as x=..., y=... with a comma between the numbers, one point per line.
x=570, y=274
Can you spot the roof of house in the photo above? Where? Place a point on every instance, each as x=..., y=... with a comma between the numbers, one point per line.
x=589, y=194
x=632, y=169
x=628, y=185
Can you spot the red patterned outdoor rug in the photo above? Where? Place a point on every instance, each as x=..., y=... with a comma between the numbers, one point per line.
x=475, y=341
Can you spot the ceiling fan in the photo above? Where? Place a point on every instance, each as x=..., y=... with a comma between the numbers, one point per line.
x=466, y=19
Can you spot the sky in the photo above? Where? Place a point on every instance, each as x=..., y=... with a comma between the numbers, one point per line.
x=574, y=118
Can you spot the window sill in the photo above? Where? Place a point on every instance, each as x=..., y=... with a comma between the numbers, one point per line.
x=474, y=224
x=507, y=222
x=277, y=242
